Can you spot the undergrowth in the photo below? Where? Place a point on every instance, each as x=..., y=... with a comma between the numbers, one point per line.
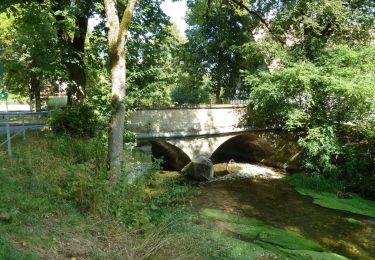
x=57, y=199
x=316, y=182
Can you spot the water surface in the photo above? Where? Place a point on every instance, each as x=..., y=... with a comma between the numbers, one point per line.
x=278, y=204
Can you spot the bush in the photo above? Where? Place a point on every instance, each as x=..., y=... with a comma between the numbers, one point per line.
x=75, y=121
x=357, y=159
x=320, y=98
x=321, y=150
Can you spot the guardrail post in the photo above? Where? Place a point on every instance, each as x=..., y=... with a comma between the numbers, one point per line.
x=9, y=141
x=23, y=128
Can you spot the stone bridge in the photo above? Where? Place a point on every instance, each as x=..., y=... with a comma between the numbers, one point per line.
x=179, y=135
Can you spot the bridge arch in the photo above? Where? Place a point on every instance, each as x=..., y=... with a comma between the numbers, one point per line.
x=246, y=147
x=173, y=157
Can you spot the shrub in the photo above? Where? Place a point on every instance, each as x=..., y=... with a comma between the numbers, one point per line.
x=319, y=98
x=321, y=150
x=75, y=121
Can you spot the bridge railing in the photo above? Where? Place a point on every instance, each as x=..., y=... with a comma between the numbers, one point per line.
x=16, y=123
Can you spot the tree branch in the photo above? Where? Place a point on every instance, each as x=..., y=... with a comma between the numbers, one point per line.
x=261, y=19
x=125, y=21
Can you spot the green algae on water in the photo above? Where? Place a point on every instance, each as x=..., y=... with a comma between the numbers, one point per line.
x=355, y=204
x=354, y=221
x=265, y=240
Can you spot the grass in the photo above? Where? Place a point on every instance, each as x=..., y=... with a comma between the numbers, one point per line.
x=57, y=203
x=7, y=251
x=315, y=182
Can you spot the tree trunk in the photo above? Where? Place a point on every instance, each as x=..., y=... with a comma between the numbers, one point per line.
x=116, y=41
x=217, y=94
x=35, y=93
x=31, y=100
x=77, y=70
x=76, y=47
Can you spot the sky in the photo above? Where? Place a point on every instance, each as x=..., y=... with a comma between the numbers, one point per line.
x=176, y=11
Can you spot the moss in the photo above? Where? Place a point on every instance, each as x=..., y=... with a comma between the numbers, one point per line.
x=264, y=241
x=355, y=204
x=308, y=254
x=237, y=249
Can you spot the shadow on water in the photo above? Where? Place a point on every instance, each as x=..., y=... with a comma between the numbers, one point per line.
x=278, y=204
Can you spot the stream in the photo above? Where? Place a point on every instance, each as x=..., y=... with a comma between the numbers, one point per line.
x=262, y=193
x=269, y=198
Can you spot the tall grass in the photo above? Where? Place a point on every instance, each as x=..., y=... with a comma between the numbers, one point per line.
x=61, y=204
x=316, y=182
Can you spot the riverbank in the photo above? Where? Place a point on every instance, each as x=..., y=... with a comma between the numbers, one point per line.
x=57, y=203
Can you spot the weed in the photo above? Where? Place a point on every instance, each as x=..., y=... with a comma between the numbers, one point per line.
x=316, y=182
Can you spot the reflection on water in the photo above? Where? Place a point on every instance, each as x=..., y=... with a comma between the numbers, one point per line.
x=273, y=201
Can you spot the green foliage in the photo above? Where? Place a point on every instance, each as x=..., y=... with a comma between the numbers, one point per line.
x=75, y=121
x=152, y=59
x=337, y=88
x=137, y=207
x=190, y=94
x=321, y=149
x=306, y=27
x=216, y=32
x=320, y=99
x=45, y=198
x=76, y=172
x=30, y=48
x=357, y=159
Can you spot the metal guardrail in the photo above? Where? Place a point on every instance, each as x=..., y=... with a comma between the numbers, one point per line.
x=21, y=113
x=22, y=125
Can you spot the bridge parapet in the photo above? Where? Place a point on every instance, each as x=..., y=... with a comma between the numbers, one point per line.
x=191, y=119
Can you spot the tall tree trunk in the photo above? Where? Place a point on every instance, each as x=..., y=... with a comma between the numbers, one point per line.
x=76, y=48
x=35, y=93
x=35, y=88
x=116, y=41
x=217, y=94
x=31, y=100
x=77, y=70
